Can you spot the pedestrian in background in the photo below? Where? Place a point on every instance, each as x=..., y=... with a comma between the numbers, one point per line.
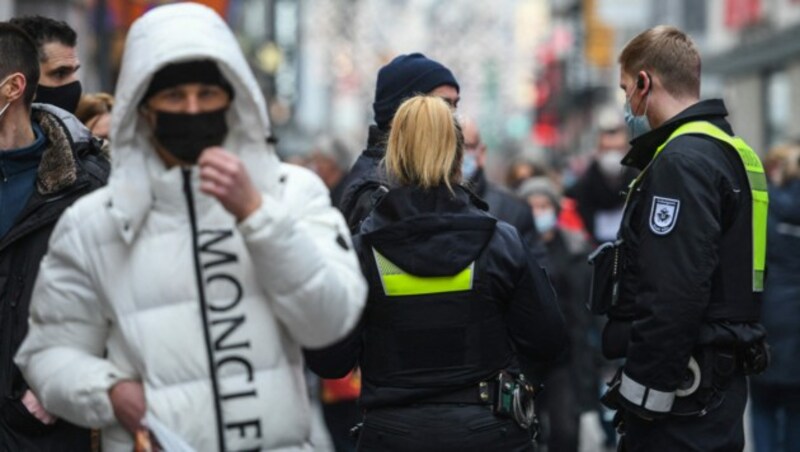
x=502, y=204
x=776, y=393
x=598, y=193
x=58, y=60
x=330, y=161
x=94, y=111
x=455, y=301
x=682, y=285
x=48, y=160
x=571, y=387
x=178, y=297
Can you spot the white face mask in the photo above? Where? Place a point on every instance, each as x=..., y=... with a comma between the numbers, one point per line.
x=469, y=166
x=545, y=221
x=8, y=104
x=610, y=163
x=637, y=125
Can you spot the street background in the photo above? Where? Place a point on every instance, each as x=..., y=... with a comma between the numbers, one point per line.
x=535, y=74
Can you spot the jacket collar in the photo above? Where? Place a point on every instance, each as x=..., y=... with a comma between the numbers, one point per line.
x=57, y=170
x=59, y=177
x=376, y=142
x=644, y=147
x=478, y=183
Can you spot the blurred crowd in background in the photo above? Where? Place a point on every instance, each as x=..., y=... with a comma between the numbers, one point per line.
x=542, y=115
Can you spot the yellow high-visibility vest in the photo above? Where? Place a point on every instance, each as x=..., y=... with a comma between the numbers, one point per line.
x=755, y=177
x=397, y=282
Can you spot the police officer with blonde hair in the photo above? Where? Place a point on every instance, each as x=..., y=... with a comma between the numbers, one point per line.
x=455, y=301
x=682, y=284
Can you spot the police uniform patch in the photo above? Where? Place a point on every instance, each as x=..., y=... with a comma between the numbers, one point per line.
x=664, y=215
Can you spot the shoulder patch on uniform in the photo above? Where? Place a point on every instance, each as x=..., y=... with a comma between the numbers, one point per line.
x=664, y=215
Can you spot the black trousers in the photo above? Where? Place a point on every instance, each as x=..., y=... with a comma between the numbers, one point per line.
x=340, y=417
x=441, y=427
x=720, y=430
x=557, y=407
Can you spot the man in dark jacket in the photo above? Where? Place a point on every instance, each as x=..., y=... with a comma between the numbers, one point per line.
x=403, y=77
x=685, y=311
x=47, y=161
x=502, y=205
x=598, y=193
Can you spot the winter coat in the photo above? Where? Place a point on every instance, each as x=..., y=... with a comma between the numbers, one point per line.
x=364, y=180
x=71, y=166
x=780, y=312
x=419, y=345
x=513, y=211
x=567, y=253
x=595, y=195
x=689, y=284
x=149, y=279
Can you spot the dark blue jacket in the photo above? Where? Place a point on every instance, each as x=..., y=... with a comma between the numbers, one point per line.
x=780, y=313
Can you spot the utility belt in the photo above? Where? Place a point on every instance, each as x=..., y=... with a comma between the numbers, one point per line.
x=509, y=396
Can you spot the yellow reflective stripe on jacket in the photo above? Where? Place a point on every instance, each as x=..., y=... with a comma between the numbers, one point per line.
x=758, y=187
x=397, y=282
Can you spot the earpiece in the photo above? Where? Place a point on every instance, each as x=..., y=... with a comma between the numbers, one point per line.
x=640, y=80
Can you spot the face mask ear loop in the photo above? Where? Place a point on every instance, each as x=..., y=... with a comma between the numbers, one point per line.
x=8, y=104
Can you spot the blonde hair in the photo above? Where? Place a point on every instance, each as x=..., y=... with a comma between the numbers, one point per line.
x=782, y=164
x=93, y=105
x=668, y=52
x=425, y=144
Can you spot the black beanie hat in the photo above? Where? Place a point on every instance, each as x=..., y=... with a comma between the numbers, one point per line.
x=403, y=77
x=171, y=75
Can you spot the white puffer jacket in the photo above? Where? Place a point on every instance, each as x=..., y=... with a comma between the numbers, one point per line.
x=210, y=315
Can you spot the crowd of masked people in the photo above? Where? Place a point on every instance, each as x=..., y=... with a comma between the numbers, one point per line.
x=167, y=283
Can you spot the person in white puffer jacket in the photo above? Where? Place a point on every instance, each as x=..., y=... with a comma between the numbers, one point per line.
x=184, y=291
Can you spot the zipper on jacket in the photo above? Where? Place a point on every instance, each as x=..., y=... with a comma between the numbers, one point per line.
x=201, y=292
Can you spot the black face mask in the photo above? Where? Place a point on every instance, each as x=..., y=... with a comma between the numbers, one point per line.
x=65, y=96
x=185, y=136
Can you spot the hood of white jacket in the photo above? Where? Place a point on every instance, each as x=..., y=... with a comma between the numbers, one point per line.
x=172, y=34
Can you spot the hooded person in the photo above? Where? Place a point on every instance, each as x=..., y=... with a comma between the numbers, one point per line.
x=182, y=293
x=404, y=77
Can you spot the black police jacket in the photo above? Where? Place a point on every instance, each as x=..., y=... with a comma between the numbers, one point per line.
x=412, y=346
x=363, y=181
x=686, y=277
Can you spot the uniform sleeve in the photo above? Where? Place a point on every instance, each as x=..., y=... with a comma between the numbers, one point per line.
x=679, y=227
x=304, y=257
x=534, y=320
x=335, y=361
x=62, y=355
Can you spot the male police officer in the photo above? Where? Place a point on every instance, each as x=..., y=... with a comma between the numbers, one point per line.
x=685, y=304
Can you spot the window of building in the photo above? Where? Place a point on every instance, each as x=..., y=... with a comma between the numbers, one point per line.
x=777, y=109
